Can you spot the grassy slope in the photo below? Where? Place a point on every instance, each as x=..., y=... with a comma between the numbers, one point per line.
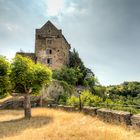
x=49, y=124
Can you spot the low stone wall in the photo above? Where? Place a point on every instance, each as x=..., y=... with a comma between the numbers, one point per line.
x=135, y=121
x=117, y=117
x=111, y=116
x=17, y=103
x=90, y=111
x=66, y=108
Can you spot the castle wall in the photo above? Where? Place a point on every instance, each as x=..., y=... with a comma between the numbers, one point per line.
x=29, y=55
x=51, y=48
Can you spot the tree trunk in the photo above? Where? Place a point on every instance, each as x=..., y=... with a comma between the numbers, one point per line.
x=27, y=106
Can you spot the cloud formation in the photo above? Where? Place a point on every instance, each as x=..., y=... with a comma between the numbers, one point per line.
x=105, y=32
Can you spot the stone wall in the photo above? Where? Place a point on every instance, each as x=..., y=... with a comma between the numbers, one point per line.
x=29, y=55
x=110, y=116
x=51, y=47
x=18, y=102
x=135, y=121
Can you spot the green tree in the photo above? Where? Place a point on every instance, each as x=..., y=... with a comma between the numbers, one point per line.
x=28, y=78
x=4, y=76
x=69, y=75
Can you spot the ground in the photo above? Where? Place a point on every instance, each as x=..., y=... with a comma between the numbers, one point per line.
x=50, y=124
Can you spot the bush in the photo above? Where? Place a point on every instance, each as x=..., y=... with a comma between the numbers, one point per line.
x=67, y=88
x=73, y=100
x=63, y=98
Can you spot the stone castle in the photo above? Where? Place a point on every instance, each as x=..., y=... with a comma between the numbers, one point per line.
x=51, y=47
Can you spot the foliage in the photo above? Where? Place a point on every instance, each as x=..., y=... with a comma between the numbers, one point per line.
x=119, y=103
x=75, y=61
x=99, y=91
x=73, y=100
x=67, y=88
x=87, y=99
x=26, y=75
x=63, y=98
x=68, y=75
x=4, y=77
x=127, y=88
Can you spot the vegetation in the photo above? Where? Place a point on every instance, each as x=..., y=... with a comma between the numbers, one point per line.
x=4, y=77
x=131, y=104
x=118, y=97
x=23, y=77
x=28, y=78
x=69, y=75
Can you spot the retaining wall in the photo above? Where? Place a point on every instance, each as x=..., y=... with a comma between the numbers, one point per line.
x=111, y=116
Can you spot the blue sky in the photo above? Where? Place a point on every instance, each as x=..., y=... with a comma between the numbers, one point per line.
x=106, y=33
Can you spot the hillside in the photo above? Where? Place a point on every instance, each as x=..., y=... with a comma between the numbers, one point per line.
x=49, y=124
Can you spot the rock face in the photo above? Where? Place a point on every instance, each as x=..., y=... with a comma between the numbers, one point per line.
x=53, y=91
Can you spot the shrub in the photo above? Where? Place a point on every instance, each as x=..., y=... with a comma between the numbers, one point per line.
x=63, y=98
x=73, y=100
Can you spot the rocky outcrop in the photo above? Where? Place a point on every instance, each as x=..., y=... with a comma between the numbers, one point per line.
x=53, y=91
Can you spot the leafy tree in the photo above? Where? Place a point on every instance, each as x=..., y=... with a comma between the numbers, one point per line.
x=28, y=78
x=75, y=60
x=4, y=76
x=68, y=75
x=76, y=63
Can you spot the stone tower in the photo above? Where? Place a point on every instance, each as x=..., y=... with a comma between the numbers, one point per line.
x=51, y=47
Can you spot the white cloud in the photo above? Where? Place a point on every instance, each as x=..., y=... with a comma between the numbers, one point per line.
x=54, y=7
x=11, y=27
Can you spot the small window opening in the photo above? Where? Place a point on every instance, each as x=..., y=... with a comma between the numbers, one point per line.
x=49, y=41
x=49, y=60
x=48, y=51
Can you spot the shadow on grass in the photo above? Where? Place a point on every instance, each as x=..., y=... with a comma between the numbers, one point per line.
x=14, y=127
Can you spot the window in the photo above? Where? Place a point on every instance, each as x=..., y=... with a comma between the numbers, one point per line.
x=49, y=60
x=48, y=51
x=49, y=41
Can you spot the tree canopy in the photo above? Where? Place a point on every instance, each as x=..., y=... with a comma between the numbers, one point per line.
x=4, y=76
x=28, y=78
x=26, y=75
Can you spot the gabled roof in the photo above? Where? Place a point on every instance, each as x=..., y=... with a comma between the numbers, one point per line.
x=47, y=24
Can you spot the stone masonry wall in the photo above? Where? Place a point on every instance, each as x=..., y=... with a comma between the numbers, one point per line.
x=110, y=116
x=51, y=44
